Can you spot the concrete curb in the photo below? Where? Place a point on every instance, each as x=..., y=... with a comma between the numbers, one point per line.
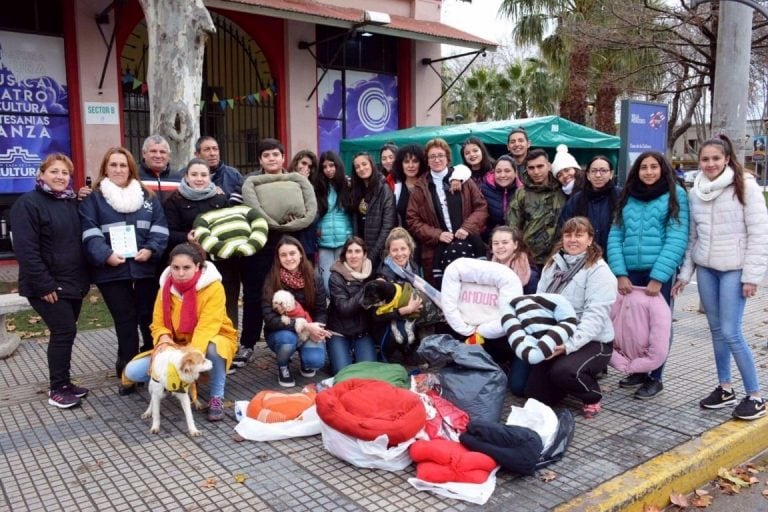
x=682, y=469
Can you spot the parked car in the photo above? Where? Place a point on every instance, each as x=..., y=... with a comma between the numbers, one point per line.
x=690, y=176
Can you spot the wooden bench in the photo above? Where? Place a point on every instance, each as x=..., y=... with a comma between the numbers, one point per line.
x=10, y=303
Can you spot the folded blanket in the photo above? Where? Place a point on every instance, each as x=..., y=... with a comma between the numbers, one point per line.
x=441, y=461
x=515, y=449
x=273, y=406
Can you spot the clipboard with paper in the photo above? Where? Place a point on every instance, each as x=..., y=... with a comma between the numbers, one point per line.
x=123, y=240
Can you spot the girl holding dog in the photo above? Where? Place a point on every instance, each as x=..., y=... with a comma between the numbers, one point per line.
x=728, y=249
x=647, y=242
x=52, y=271
x=351, y=324
x=292, y=271
x=190, y=310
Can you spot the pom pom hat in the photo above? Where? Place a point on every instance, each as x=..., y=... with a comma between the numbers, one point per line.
x=563, y=160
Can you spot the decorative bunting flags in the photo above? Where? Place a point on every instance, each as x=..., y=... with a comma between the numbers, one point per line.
x=253, y=98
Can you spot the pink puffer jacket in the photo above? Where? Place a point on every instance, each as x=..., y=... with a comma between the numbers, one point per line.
x=642, y=325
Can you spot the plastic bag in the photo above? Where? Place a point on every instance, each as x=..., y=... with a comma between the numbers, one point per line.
x=473, y=493
x=444, y=420
x=308, y=424
x=367, y=454
x=537, y=417
x=469, y=377
x=565, y=429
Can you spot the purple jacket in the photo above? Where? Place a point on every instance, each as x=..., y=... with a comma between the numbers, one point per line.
x=642, y=325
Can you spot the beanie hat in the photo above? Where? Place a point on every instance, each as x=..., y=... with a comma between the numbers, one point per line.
x=563, y=160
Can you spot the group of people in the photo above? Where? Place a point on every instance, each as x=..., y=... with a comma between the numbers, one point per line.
x=561, y=229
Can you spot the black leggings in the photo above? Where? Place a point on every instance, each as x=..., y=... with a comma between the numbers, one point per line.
x=575, y=374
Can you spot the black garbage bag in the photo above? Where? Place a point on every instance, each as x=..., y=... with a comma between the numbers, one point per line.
x=469, y=377
x=565, y=429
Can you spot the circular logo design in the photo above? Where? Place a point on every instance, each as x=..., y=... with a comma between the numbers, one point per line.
x=373, y=108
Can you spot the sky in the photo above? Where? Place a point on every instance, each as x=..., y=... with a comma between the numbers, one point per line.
x=478, y=18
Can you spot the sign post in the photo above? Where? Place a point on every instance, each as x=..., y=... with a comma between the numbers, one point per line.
x=643, y=128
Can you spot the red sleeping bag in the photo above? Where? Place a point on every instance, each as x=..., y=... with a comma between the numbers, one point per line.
x=365, y=409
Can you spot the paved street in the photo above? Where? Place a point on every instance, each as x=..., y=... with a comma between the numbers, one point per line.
x=101, y=456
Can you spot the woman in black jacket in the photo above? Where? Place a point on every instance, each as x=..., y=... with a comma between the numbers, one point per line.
x=52, y=269
x=373, y=206
x=350, y=323
x=291, y=271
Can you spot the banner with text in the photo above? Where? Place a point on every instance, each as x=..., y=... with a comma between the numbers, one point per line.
x=34, y=114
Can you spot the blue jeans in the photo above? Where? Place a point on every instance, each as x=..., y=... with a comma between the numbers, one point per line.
x=642, y=278
x=138, y=370
x=326, y=259
x=342, y=351
x=284, y=343
x=722, y=298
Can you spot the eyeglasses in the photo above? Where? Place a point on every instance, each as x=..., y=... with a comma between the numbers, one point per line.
x=436, y=157
x=599, y=171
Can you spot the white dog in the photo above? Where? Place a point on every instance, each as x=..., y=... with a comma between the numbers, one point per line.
x=173, y=370
x=285, y=305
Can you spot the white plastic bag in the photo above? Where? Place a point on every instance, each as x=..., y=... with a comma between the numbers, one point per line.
x=307, y=424
x=537, y=417
x=473, y=493
x=367, y=454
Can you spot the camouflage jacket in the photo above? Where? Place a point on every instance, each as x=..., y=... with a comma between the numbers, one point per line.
x=535, y=210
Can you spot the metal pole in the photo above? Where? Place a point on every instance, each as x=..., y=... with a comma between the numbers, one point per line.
x=731, y=88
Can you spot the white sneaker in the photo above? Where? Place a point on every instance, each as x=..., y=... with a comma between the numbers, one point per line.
x=243, y=357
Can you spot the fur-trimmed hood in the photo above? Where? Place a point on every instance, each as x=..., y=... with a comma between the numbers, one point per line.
x=210, y=275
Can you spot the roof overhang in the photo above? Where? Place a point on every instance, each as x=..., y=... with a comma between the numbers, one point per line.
x=350, y=17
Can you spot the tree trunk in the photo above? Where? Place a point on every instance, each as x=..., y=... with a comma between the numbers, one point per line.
x=177, y=31
x=605, y=106
x=574, y=105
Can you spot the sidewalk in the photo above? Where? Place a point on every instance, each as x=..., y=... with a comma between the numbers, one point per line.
x=101, y=456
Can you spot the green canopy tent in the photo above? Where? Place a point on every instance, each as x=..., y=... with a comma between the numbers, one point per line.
x=544, y=132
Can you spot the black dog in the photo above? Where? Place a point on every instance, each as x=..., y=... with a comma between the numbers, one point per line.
x=387, y=297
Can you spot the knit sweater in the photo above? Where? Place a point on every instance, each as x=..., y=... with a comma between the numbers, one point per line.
x=231, y=232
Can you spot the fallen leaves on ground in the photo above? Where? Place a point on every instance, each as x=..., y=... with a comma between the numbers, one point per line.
x=650, y=508
x=209, y=483
x=738, y=476
x=547, y=475
x=681, y=500
x=240, y=478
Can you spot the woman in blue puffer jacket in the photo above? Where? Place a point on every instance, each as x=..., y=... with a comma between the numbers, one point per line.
x=334, y=199
x=647, y=241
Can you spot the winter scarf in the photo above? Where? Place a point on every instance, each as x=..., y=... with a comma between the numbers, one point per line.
x=521, y=266
x=363, y=274
x=293, y=280
x=563, y=276
x=188, y=292
x=126, y=199
x=193, y=194
x=67, y=193
x=645, y=193
x=708, y=190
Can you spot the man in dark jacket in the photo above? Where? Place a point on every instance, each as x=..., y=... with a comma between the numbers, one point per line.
x=155, y=170
x=227, y=178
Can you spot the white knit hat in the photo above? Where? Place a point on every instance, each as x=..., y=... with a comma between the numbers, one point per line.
x=563, y=160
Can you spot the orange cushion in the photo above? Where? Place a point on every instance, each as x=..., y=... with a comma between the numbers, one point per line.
x=274, y=407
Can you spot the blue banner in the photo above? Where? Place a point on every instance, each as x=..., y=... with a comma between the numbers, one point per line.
x=34, y=113
x=646, y=129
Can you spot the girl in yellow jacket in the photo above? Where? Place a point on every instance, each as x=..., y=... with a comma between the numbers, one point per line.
x=190, y=310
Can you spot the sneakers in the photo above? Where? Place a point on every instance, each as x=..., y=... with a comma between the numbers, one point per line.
x=650, y=389
x=634, y=380
x=62, y=398
x=307, y=372
x=215, y=409
x=284, y=377
x=243, y=357
x=591, y=410
x=750, y=409
x=78, y=391
x=718, y=399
